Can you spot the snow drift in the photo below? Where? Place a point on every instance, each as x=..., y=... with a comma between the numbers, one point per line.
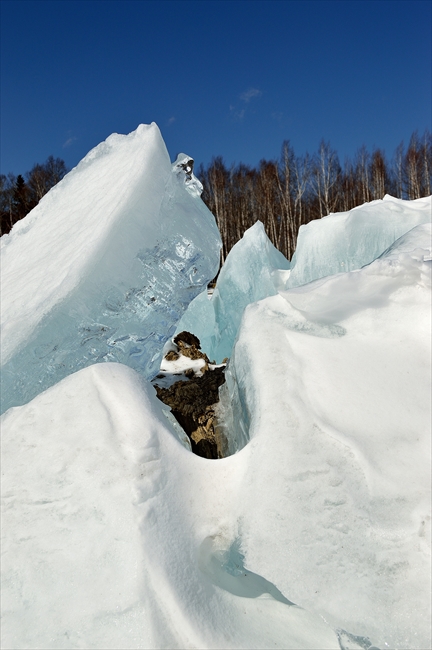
x=103, y=268
x=331, y=383
x=117, y=537
x=315, y=535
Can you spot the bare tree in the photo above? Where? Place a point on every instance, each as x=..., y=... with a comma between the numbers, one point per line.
x=7, y=186
x=378, y=174
x=326, y=177
x=41, y=178
x=19, y=194
x=288, y=193
x=362, y=176
x=398, y=171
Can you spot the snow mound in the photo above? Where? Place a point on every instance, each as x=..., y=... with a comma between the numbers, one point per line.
x=103, y=268
x=115, y=536
x=316, y=534
x=349, y=240
x=250, y=272
x=330, y=382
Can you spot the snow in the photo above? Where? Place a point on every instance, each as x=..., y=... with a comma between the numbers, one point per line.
x=251, y=272
x=316, y=531
x=103, y=268
x=115, y=536
x=348, y=240
x=255, y=269
x=175, y=370
x=336, y=379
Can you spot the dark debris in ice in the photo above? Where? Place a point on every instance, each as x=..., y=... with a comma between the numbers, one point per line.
x=193, y=397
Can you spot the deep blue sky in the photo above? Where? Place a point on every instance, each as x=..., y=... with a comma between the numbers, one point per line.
x=219, y=78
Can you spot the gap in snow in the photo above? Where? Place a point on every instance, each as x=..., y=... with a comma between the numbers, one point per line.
x=188, y=382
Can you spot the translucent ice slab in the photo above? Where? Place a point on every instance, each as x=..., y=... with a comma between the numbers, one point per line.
x=348, y=240
x=104, y=267
x=250, y=273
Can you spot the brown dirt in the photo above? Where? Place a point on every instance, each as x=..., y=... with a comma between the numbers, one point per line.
x=192, y=403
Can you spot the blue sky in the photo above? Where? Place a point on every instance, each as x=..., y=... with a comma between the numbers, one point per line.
x=219, y=78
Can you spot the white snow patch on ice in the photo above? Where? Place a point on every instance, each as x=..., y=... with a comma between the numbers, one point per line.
x=115, y=536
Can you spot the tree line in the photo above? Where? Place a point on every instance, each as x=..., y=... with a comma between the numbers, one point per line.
x=20, y=194
x=290, y=191
x=283, y=193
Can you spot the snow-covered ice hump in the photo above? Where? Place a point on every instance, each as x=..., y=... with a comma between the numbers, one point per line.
x=348, y=240
x=103, y=268
x=254, y=269
x=316, y=534
x=332, y=382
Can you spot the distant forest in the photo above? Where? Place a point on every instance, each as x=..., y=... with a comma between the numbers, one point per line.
x=20, y=194
x=283, y=193
x=288, y=192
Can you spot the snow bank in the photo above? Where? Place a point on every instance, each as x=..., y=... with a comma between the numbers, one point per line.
x=315, y=535
x=251, y=272
x=115, y=536
x=348, y=240
x=103, y=268
x=331, y=383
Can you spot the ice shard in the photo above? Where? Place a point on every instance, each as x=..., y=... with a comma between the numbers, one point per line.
x=251, y=272
x=349, y=240
x=255, y=269
x=104, y=267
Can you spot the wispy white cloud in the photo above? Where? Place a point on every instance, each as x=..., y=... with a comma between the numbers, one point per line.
x=249, y=94
x=236, y=114
x=246, y=97
x=69, y=141
x=277, y=115
x=171, y=121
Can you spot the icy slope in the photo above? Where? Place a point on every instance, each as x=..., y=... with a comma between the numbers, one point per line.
x=251, y=271
x=115, y=536
x=103, y=268
x=348, y=240
x=332, y=382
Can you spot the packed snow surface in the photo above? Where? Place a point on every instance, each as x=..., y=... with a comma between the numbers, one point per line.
x=118, y=537
x=103, y=268
x=314, y=533
x=332, y=384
